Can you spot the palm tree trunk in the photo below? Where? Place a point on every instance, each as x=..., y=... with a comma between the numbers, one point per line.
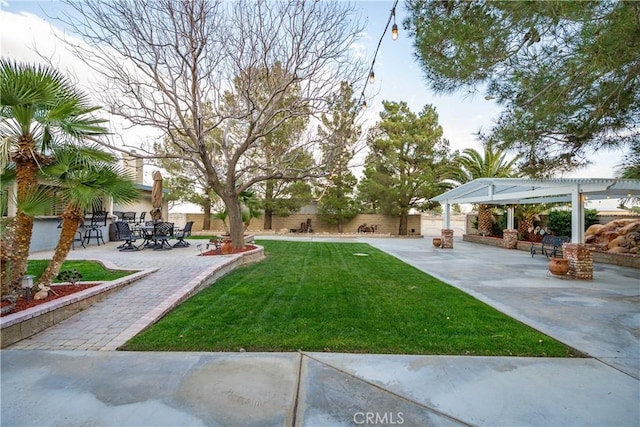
x=27, y=183
x=6, y=255
x=484, y=219
x=71, y=218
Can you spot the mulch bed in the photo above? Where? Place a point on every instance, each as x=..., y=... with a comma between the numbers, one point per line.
x=213, y=252
x=61, y=291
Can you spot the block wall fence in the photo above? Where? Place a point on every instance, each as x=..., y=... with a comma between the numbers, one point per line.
x=386, y=224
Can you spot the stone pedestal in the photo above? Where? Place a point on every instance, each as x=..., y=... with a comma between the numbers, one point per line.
x=580, y=258
x=447, y=238
x=510, y=238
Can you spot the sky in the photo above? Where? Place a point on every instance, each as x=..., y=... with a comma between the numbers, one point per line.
x=25, y=25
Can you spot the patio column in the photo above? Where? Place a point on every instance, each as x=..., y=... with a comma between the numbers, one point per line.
x=447, y=215
x=447, y=238
x=577, y=215
x=511, y=218
x=580, y=258
x=510, y=238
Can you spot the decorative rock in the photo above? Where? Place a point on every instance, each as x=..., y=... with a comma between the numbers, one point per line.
x=618, y=236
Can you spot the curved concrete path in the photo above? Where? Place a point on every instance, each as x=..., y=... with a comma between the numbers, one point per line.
x=318, y=389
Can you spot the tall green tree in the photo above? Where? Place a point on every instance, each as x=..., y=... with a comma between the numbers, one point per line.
x=83, y=178
x=39, y=110
x=284, y=196
x=566, y=72
x=337, y=202
x=629, y=168
x=408, y=161
x=492, y=163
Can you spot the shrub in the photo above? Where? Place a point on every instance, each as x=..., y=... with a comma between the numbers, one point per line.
x=559, y=222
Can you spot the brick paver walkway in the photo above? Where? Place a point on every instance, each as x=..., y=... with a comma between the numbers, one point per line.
x=120, y=316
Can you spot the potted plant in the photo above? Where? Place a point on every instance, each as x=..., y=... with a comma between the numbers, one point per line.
x=558, y=266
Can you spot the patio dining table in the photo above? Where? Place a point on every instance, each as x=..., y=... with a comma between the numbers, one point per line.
x=151, y=239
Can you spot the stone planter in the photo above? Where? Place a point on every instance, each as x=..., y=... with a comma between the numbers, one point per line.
x=558, y=266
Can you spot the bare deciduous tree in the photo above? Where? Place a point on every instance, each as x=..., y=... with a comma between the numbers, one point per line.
x=217, y=77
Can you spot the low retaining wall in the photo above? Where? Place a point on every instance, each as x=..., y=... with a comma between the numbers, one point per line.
x=622, y=260
x=21, y=325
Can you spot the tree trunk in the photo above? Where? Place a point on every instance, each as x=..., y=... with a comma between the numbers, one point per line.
x=268, y=219
x=268, y=205
x=27, y=183
x=340, y=228
x=485, y=219
x=6, y=254
x=234, y=216
x=206, y=221
x=404, y=222
x=70, y=220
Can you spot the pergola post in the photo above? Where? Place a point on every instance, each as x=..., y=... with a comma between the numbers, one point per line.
x=447, y=233
x=447, y=214
x=577, y=215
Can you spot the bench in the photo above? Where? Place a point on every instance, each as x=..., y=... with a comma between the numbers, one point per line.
x=550, y=245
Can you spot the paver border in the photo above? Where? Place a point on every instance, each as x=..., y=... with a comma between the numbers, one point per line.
x=18, y=326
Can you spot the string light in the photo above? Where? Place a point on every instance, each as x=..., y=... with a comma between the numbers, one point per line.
x=394, y=36
x=394, y=27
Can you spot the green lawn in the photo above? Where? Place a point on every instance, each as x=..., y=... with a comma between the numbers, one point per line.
x=90, y=270
x=323, y=297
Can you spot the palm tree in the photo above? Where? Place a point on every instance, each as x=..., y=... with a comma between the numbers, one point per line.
x=492, y=164
x=84, y=176
x=39, y=109
x=527, y=216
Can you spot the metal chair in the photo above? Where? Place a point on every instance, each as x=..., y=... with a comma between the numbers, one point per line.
x=94, y=229
x=124, y=232
x=181, y=234
x=129, y=217
x=143, y=214
x=162, y=232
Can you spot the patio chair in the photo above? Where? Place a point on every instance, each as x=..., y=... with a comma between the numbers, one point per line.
x=129, y=217
x=162, y=232
x=125, y=234
x=181, y=234
x=143, y=214
x=118, y=214
x=94, y=229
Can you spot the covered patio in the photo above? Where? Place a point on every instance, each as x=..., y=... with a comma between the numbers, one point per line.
x=518, y=191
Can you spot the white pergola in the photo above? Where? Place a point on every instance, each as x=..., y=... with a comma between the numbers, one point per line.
x=518, y=191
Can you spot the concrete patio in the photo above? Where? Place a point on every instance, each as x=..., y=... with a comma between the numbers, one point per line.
x=47, y=381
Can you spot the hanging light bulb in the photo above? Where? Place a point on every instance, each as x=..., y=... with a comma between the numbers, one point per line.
x=364, y=104
x=394, y=28
x=372, y=77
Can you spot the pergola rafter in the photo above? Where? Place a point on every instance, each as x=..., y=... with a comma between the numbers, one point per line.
x=518, y=191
